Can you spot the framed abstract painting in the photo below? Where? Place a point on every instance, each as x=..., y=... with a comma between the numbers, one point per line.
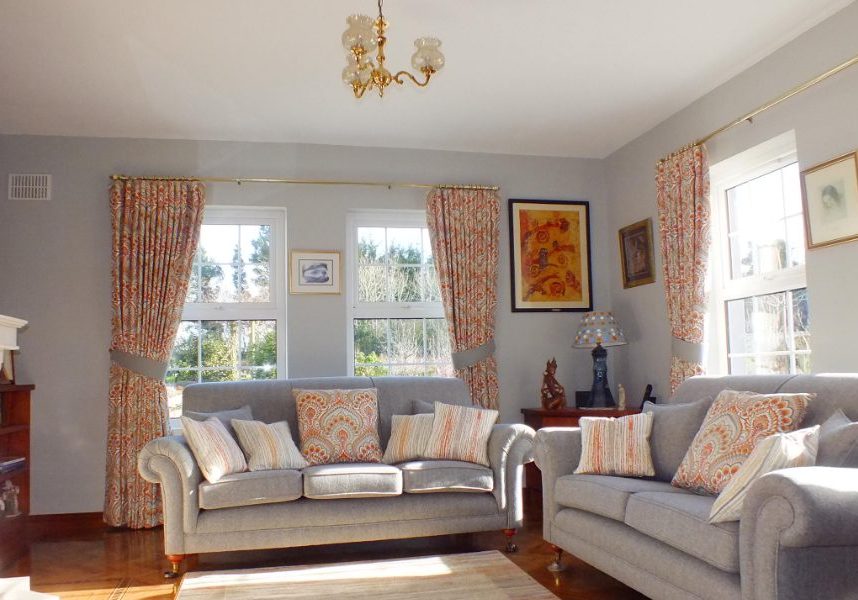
x=636, y=254
x=550, y=255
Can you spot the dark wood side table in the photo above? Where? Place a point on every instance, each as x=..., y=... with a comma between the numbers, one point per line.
x=566, y=417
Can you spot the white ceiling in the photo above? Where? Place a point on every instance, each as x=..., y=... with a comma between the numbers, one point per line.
x=543, y=77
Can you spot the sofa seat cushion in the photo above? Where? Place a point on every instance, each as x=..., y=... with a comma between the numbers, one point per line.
x=605, y=495
x=682, y=522
x=426, y=476
x=352, y=480
x=252, y=487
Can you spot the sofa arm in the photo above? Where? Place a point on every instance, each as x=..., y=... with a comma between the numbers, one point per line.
x=799, y=535
x=168, y=461
x=510, y=447
x=557, y=451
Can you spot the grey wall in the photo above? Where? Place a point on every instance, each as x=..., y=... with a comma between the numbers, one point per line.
x=55, y=265
x=826, y=126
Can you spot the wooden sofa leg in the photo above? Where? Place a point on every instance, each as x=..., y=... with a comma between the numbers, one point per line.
x=510, y=545
x=557, y=565
x=175, y=566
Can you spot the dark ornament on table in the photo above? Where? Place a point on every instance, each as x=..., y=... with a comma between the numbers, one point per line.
x=553, y=394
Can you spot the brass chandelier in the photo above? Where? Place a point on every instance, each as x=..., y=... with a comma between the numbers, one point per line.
x=364, y=35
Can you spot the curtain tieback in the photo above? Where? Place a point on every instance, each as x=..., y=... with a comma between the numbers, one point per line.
x=141, y=365
x=687, y=351
x=468, y=358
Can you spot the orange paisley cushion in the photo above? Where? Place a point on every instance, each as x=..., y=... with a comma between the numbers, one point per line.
x=338, y=426
x=734, y=424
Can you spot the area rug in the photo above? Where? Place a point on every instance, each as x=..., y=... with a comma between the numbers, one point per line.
x=479, y=575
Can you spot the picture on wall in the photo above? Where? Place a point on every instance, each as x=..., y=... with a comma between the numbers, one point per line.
x=636, y=254
x=550, y=255
x=830, y=196
x=314, y=272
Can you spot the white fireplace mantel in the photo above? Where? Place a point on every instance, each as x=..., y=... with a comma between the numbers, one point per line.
x=9, y=327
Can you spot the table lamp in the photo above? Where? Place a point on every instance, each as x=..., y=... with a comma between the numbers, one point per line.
x=597, y=330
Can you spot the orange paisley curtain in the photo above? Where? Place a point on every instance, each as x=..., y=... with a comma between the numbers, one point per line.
x=156, y=226
x=464, y=226
x=682, y=181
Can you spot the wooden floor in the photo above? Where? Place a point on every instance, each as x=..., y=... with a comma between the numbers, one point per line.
x=78, y=557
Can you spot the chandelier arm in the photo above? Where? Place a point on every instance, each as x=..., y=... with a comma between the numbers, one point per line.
x=398, y=78
x=360, y=88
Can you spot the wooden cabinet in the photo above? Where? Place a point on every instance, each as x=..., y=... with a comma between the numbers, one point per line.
x=15, y=441
x=566, y=417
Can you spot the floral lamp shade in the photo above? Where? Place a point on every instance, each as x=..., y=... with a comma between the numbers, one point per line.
x=598, y=328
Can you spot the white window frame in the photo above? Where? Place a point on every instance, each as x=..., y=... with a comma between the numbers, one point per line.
x=745, y=166
x=275, y=308
x=373, y=310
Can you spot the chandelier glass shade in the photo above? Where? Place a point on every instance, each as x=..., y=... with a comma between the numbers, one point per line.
x=365, y=36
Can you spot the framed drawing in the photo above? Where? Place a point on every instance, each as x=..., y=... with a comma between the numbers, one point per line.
x=636, y=254
x=550, y=255
x=314, y=272
x=830, y=196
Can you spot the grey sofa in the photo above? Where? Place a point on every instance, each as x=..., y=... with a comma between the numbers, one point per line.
x=350, y=502
x=797, y=537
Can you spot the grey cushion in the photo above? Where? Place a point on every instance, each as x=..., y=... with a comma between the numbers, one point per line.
x=673, y=429
x=423, y=476
x=838, y=442
x=224, y=416
x=605, y=495
x=420, y=407
x=352, y=480
x=682, y=521
x=256, y=487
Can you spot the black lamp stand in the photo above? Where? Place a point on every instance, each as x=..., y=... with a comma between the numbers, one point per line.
x=600, y=394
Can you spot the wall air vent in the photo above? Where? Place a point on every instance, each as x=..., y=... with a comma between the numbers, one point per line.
x=29, y=187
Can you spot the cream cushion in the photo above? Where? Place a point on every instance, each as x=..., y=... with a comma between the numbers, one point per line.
x=352, y=480
x=243, y=489
x=779, y=451
x=268, y=446
x=428, y=476
x=216, y=452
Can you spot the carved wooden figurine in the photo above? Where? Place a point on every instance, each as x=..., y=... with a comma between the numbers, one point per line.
x=553, y=394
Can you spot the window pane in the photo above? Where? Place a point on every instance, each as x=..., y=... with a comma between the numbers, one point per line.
x=792, y=190
x=405, y=284
x=801, y=319
x=256, y=283
x=408, y=370
x=795, y=241
x=371, y=245
x=802, y=363
x=406, y=340
x=219, y=344
x=193, y=294
x=372, y=370
x=372, y=283
x=219, y=375
x=757, y=324
x=759, y=365
x=437, y=340
x=404, y=245
x=186, y=346
x=218, y=243
x=256, y=244
x=370, y=340
x=431, y=290
x=428, y=256
x=211, y=277
x=259, y=344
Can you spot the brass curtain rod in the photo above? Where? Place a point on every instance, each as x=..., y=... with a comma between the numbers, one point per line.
x=240, y=180
x=770, y=104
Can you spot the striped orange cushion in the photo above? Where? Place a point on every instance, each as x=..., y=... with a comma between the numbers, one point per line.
x=616, y=446
x=217, y=453
x=461, y=433
x=409, y=435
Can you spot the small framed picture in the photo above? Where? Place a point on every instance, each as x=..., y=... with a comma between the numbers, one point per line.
x=314, y=272
x=636, y=254
x=550, y=255
x=830, y=197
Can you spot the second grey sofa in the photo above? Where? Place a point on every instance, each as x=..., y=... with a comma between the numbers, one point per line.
x=797, y=537
x=333, y=503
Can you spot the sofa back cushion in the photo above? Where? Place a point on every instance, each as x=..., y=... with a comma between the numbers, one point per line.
x=673, y=428
x=272, y=400
x=338, y=426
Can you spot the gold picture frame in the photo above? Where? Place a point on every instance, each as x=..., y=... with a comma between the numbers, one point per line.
x=829, y=195
x=315, y=272
x=636, y=254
